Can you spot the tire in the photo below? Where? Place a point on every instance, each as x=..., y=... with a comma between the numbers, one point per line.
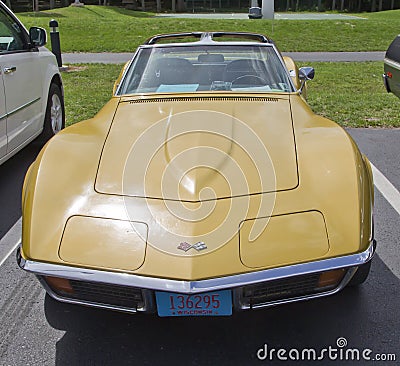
x=54, y=120
x=361, y=275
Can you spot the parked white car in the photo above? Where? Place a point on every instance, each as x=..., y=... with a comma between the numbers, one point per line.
x=31, y=91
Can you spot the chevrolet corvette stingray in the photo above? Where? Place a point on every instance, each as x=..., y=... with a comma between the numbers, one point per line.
x=206, y=185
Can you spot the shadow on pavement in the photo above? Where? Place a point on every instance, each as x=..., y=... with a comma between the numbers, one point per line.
x=12, y=174
x=97, y=337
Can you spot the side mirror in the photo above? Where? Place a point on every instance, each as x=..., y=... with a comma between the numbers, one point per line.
x=305, y=73
x=37, y=36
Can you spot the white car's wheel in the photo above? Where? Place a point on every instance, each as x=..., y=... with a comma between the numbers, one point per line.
x=54, y=120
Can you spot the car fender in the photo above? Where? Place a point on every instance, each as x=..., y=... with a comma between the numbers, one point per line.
x=43, y=208
x=332, y=167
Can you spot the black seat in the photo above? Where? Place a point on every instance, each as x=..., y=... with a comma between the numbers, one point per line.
x=172, y=71
x=245, y=67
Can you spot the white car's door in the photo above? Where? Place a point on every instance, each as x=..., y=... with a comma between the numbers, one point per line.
x=23, y=88
x=3, y=120
x=21, y=73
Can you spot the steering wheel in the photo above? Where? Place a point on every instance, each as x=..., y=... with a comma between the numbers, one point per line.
x=250, y=80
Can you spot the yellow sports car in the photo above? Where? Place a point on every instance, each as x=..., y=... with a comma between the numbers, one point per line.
x=206, y=185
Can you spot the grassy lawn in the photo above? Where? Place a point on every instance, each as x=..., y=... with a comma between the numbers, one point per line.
x=87, y=88
x=351, y=94
x=113, y=29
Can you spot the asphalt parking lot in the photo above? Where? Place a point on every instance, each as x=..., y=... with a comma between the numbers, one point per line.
x=37, y=331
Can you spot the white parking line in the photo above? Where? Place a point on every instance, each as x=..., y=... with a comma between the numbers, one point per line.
x=387, y=189
x=14, y=248
x=10, y=241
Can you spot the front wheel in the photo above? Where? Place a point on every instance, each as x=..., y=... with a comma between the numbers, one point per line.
x=54, y=120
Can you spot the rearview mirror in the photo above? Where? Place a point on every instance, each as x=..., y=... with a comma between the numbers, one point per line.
x=37, y=36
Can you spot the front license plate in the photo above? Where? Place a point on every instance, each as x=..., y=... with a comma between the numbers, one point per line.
x=206, y=304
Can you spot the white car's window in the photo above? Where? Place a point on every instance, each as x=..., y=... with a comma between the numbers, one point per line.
x=12, y=36
x=248, y=68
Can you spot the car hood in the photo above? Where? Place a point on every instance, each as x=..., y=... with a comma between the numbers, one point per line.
x=199, y=148
x=91, y=224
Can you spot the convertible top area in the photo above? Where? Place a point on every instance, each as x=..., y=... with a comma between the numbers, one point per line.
x=210, y=36
x=196, y=62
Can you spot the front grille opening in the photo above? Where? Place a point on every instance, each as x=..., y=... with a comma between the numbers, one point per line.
x=290, y=288
x=97, y=293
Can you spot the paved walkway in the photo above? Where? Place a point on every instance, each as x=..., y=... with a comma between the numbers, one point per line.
x=117, y=58
x=278, y=16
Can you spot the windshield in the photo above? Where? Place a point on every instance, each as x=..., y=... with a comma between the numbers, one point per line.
x=179, y=69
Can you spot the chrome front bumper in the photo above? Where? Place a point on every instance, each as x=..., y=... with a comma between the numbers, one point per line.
x=236, y=282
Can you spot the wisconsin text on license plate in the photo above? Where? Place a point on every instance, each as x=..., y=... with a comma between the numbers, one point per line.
x=204, y=304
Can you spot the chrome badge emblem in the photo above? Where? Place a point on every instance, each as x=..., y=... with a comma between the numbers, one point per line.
x=186, y=246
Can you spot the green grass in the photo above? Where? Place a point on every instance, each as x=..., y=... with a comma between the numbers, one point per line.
x=113, y=29
x=87, y=88
x=351, y=94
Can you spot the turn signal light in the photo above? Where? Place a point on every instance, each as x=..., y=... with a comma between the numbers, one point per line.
x=59, y=284
x=331, y=278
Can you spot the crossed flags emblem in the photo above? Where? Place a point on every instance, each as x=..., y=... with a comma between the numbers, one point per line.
x=198, y=246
